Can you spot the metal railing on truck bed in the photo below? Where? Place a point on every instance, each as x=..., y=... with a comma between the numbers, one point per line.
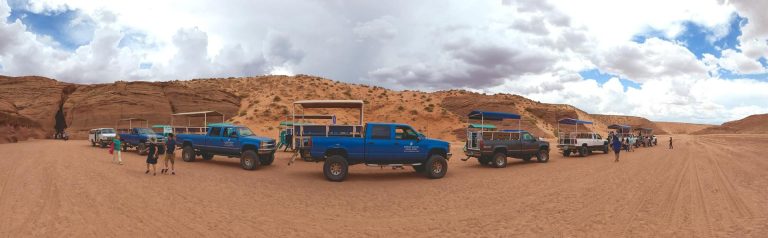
x=303, y=133
x=473, y=136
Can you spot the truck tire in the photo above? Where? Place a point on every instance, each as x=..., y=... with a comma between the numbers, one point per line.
x=542, y=156
x=267, y=159
x=188, y=154
x=605, y=149
x=483, y=160
x=499, y=160
x=583, y=151
x=336, y=168
x=527, y=158
x=566, y=153
x=207, y=156
x=103, y=144
x=141, y=149
x=436, y=167
x=93, y=144
x=249, y=160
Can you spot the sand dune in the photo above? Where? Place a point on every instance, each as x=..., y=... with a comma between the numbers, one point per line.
x=754, y=124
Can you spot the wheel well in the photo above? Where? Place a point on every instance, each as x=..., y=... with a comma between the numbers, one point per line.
x=585, y=144
x=437, y=151
x=186, y=143
x=500, y=150
x=249, y=147
x=336, y=151
x=544, y=147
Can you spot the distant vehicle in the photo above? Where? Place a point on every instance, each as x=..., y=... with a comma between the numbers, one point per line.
x=583, y=143
x=137, y=138
x=383, y=144
x=231, y=141
x=492, y=147
x=101, y=136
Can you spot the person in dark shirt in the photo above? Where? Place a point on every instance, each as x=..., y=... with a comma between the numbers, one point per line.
x=152, y=155
x=616, y=147
x=170, y=147
x=670, y=143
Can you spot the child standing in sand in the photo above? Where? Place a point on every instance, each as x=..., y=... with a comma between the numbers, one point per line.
x=152, y=156
x=116, y=144
x=616, y=147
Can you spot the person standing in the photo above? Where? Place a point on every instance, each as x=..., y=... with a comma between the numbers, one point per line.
x=670, y=143
x=616, y=147
x=116, y=150
x=170, y=147
x=152, y=156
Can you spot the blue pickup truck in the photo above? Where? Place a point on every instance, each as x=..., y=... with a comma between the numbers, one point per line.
x=382, y=144
x=137, y=138
x=231, y=141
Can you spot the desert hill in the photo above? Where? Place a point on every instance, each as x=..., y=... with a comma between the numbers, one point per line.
x=754, y=124
x=680, y=127
x=262, y=102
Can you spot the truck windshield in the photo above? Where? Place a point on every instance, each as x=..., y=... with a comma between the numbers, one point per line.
x=145, y=131
x=107, y=131
x=244, y=131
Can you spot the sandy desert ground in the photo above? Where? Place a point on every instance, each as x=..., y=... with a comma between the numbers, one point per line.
x=708, y=186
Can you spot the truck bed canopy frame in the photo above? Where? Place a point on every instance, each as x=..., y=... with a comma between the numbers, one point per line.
x=621, y=129
x=491, y=116
x=324, y=104
x=644, y=130
x=189, y=115
x=130, y=121
x=571, y=121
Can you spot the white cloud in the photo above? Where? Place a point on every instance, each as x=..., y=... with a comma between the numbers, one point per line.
x=530, y=47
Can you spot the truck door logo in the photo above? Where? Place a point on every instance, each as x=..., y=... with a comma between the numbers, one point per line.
x=411, y=148
x=229, y=143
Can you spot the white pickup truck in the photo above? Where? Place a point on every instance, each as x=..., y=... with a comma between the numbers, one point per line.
x=101, y=136
x=582, y=142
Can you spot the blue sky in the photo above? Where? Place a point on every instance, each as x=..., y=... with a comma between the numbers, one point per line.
x=694, y=53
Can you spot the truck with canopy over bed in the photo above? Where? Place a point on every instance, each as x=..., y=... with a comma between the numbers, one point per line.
x=582, y=143
x=492, y=146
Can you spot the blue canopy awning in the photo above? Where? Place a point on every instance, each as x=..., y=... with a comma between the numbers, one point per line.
x=492, y=116
x=620, y=127
x=571, y=121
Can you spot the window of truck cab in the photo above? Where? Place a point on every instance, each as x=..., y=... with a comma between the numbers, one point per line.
x=144, y=131
x=244, y=131
x=380, y=132
x=405, y=133
x=215, y=131
x=527, y=137
x=107, y=131
x=229, y=131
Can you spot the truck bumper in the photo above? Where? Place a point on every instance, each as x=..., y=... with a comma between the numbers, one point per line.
x=448, y=155
x=472, y=153
x=267, y=151
x=565, y=147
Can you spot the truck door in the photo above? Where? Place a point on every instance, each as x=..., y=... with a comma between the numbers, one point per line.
x=379, y=146
x=231, y=141
x=529, y=144
x=214, y=141
x=408, y=147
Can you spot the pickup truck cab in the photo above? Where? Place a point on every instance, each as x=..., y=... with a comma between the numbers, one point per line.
x=231, y=141
x=382, y=144
x=137, y=138
x=582, y=143
x=493, y=147
x=101, y=136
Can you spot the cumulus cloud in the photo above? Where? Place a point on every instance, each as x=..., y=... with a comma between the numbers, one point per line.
x=529, y=47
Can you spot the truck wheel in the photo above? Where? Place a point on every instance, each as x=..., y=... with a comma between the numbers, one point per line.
x=566, y=153
x=103, y=144
x=583, y=151
x=267, y=159
x=542, y=156
x=527, y=158
x=207, y=156
x=436, y=167
x=605, y=149
x=141, y=149
x=93, y=144
x=336, y=168
x=499, y=160
x=249, y=160
x=188, y=154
